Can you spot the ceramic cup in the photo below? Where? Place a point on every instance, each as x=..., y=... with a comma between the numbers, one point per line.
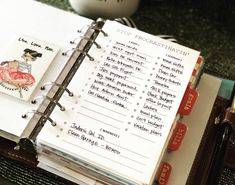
x=105, y=8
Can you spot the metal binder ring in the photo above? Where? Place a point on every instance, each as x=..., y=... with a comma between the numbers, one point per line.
x=59, y=85
x=53, y=123
x=81, y=51
x=86, y=38
x=86, y=54
x=92, y=41
x=99, y=29
x=34, y=101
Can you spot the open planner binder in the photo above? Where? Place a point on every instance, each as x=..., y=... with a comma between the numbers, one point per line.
x=103, y=105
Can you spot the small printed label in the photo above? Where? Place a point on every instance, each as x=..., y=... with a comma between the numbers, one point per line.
x=177, y=136
x=23, y=65
x=164, y=173
x=188, y=101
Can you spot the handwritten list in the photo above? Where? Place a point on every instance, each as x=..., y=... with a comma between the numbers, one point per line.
x=126, y=101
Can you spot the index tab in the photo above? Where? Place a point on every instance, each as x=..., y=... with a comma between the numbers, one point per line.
x=164, y=173
x=188, y=101
x=177, y=136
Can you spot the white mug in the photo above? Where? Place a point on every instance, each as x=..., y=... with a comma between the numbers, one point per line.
x=105, y=8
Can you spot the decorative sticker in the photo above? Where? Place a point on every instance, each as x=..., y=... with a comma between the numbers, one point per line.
x=23, y=65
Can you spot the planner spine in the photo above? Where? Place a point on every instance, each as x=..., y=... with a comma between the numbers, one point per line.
x=57, y=89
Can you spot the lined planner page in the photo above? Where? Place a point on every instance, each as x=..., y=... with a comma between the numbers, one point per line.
x=125, y=103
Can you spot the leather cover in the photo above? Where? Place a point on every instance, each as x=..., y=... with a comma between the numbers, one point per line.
x=204, y=158
x=26, y=158
x=7, y=150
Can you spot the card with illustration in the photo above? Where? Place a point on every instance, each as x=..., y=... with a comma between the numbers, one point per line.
x=23, y=65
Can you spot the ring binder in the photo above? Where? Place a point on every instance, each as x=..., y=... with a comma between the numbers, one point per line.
x=81, y=51
x=59, y=85
x=34, y=101
x=92, y=41
x=88, y=39
x=53, y=123
x=99, y=29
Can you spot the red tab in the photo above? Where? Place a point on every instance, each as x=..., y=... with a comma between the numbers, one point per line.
x=188, y=101
x=164, y=173
x=177, y=136
x=199, y=60
x=194, y=72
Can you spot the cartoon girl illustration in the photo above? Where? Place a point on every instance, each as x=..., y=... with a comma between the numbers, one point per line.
x=16, y=75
